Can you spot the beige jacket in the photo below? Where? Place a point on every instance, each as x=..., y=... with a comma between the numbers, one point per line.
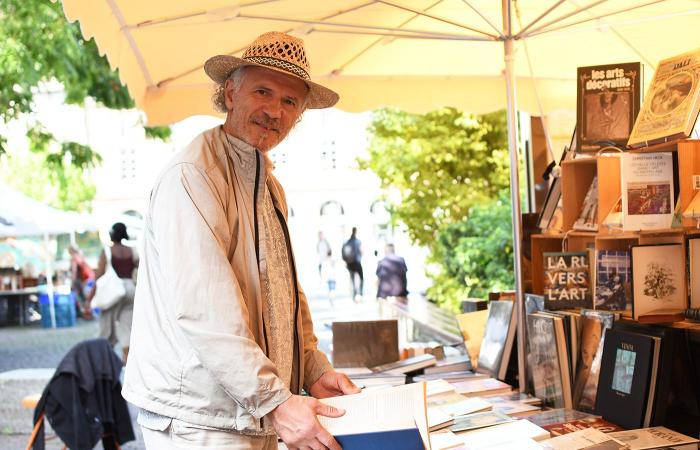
x=198, y=344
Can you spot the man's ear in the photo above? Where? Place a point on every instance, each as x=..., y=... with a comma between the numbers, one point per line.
x=228, y=94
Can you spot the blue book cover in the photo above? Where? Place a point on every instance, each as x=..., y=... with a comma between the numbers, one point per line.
x=407, y=439
x=613, y=290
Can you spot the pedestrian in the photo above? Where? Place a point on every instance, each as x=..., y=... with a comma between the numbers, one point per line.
x=223, y=338
x=391, y=275
x=352, y=255
x=115, y=322
x=328, y=275
x=82, y=278
x=323, y=250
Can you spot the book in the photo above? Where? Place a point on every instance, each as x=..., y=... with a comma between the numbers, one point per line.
x=438, y=419
x=515, y=409
x=613, y=219
x=588, y=216
x=521, y=397
x=450, y=364
x=393, y=418
x=613, y=286
x=501, y=434
x=480, y=420
x=658, y=281
x=607, y=103
x=550, y=205
x=588, y=438
x=437, y=387
x=671, y=104
x=365, y=380
x=544, y=359
x=498, y=332
x=600, y=424
x=408, y=365
x=647, y=190
x=625, y=377
x=472, y=326
x=694, y=271
x=444, y=440
x=456, y=405
x=533, y=303
x=655, y=437
x=587, y=380
x=365, y=343
x=692, y=211
x=566, y=281
x=558, y=415
x=460, y=375
x=484, y=386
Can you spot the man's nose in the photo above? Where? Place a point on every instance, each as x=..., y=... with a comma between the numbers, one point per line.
x=273, y=109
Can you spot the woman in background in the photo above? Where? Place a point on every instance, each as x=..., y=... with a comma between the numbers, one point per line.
x=115, y=322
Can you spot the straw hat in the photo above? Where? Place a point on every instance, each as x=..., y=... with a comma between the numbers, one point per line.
x=276, y=51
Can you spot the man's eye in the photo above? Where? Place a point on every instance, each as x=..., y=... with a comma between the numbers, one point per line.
x=290, y=102
x=261, y=91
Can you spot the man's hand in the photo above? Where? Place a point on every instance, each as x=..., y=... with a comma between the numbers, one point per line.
x=296, y=424
x=333, y=384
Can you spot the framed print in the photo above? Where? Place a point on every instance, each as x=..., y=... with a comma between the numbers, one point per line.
x=694, y=270
x=658, y=279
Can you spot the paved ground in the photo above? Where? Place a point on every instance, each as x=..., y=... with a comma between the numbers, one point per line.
x=36, y=348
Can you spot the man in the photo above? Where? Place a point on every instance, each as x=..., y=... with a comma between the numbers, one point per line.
x=222, y=341
x=323, y=250
x=82, y=277
x=352, y=255
x=391, y=274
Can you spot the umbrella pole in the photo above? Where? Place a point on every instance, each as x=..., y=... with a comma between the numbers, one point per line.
x=508, y=47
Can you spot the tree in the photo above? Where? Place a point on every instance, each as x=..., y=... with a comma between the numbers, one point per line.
x=450, y=170
x=38, y=46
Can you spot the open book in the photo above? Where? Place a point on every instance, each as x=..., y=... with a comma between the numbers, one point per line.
x=386, y=419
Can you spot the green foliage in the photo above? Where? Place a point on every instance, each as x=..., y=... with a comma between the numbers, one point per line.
x=39, y=45
x=442, y=163
x=162, y=133
x=450, y=171
x=475, y=256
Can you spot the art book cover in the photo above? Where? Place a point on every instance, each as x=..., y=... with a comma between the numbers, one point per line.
x=607, y=104
x=613, y=287
x=671, y=105
x=497, y=331
x=593, y=326
x=647, y=191
x=625, y=376
x=588, y=216
x=571, y=426
x=567, y=281
x=658, y=279
x=654, y=437
x=543, y=360
x=585, y=439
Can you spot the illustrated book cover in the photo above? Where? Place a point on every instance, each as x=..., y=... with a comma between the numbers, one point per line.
x=658, y=281
x=625, y=377
x=654, y=437
x=647, y=191
x=585, y=439
x=546, y=359
x=567, y=281
x=588, y=216
x=607, y=104
x=672, y=101
x=498, y=329
x=613, y=286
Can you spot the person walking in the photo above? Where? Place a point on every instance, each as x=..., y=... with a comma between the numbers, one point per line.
x=82, y=278
x=391, y=274
x=352, y=255
x=115, y=322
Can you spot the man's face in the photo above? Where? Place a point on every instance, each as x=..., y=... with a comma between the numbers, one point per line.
x=265, y=107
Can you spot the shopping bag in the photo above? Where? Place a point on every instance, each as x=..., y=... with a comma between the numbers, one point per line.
x=109, y=287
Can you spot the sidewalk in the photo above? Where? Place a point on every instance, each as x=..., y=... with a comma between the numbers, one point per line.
x=36, y=348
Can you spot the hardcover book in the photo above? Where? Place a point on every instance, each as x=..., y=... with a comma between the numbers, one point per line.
x=365, y=343
x=588, y=217
x=694, y=271
x=625, y=378
x=671, y=105
x=594, y=324
x=498, y=329
x=544, y=360
x=613, y=287
x=407, y=365
x=658, y=281
x=385, y=419
x=566, y=281
x=647, y=191
x=655, y=437
x=607, y=104
x=485, y=386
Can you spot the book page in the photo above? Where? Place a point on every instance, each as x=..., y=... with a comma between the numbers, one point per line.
x=376, y=410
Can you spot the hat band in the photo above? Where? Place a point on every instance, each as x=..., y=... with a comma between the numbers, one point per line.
x=280, y=64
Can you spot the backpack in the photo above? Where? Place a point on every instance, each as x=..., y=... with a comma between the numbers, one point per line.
x=349, y=252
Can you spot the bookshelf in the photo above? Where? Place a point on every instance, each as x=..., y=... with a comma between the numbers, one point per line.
x=576, y=177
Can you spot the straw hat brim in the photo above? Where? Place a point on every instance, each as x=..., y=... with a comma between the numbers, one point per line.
x=219, y=68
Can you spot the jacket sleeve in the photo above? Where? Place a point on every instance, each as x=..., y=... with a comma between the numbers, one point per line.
x=192, y=236
x=315, y=361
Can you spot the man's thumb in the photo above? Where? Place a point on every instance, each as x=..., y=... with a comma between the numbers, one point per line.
x=329, y=411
